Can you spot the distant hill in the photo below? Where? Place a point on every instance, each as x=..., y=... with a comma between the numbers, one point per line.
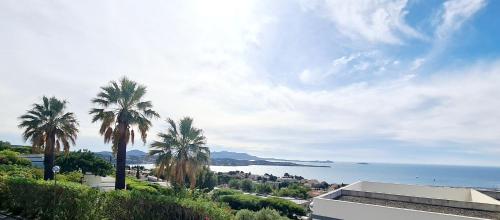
x=138, y=157
x=233, y=155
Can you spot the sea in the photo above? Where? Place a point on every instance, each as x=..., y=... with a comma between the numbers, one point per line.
x=347, y=172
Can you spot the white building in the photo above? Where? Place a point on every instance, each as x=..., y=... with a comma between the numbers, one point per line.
x=103, y=183
x=372, y=200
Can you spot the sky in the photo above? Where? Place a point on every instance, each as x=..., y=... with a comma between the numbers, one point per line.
x=391, y=81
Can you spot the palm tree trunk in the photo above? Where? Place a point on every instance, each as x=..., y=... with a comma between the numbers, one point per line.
x=121, y=156
x=49, y=158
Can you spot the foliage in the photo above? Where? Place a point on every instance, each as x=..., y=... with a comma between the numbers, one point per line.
x=264, y=188
x=245, y=214
x=37, y=199
x=85, y=161
x=234, y=184
x=294, y=190
x=263, y=214
x=251, y=202
x=206, y=179
x=181, y=152
x=246, y=185
x=49, y=127
x=268, y=214
x=218, y=193
x=9, y=157
x=20, y=171
x=74, y=176
x=121, y=108
x=5, y=145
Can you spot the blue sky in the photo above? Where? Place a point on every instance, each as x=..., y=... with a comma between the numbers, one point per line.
x=379, y=81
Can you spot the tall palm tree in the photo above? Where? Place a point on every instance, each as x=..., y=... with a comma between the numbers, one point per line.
x=49, y=127
x=181, y=152
x=121, y=108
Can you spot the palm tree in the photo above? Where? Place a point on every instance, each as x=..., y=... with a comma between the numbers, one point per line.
x=181, y=152
x=121, y=108
x=49, y=127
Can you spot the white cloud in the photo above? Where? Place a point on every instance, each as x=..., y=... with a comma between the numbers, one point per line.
x=370, y=20
x=455, y=13
x=193, y=58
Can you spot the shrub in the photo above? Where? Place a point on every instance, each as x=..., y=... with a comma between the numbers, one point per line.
x=20, y=171
x=234, y=184
x=86, y=161
x=255, y=203
x=245, y=214
x=294, y=190
x=217, y=194
x=285, y=207
x=9, y=157
x=246, y=185
x=268, y=214
x=263, y=188
x=38, y=199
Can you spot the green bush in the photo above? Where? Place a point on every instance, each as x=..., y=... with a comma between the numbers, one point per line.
x=20, y=171
x=263, y=214
x=264, y=188
x=255, y=203
x=245, y=214
x=9, y=157
x=85, y=161
x=38, y=199
x=234, y=184
x=285, y=207
x=268, y=214
x=246, y=185
x=294, y=190
x=218, y=193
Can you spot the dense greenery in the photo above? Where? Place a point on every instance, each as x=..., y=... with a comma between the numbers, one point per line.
x=263, y=188
x=181, y=152
x=206, y=179
x=263, y=214
x=9, y=157
x=243, y=201
x=5, y=145
x=37, y=199
x=121, y=108
x=49, y=127
x=85, y=161
x=246, y=185
x=294, y=190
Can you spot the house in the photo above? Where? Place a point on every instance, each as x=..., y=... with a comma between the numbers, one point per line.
x=36, y=159
x=103, y=183
x=374, y=200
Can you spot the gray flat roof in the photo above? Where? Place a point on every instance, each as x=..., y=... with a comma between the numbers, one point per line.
x=421, y=207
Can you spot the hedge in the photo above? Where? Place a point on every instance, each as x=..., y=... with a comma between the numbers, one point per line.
x=38, y=199
x=255, y=203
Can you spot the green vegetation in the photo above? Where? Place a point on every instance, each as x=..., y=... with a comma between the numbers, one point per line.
x=49, y=127
x=206, y=179
x=9, y=157
x=37, y=199
x=263, y=214
x=5, y=145
x=240, y=201
x=263, y=188
x=247, y=185
x=121, y=107
x=181, y=152
x=85, y=161
x=293, y=190
x=234, y=184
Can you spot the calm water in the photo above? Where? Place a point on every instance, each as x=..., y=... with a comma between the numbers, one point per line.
x=343, y=172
